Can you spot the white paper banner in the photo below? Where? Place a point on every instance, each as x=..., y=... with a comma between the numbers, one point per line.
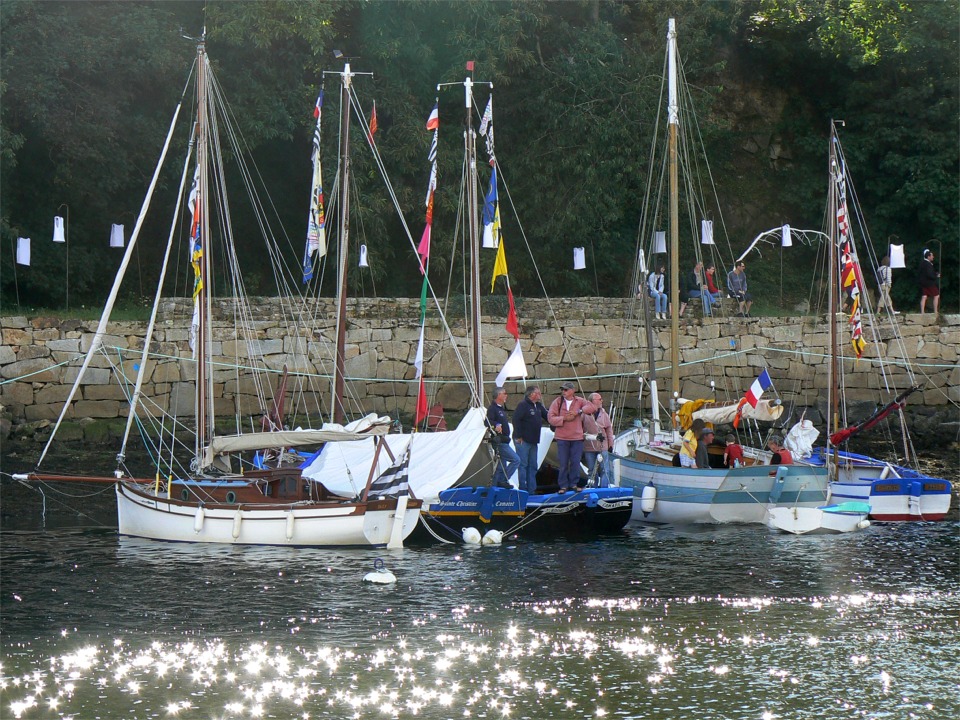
x=363, y=256
x=579, y=259
x=116, y=236
x=897, y=258
x=23, y=251
x=58, y=233
x=786, y=239
x=660, y=241
x=706, y=232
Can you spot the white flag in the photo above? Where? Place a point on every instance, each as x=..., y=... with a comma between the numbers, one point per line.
x=786, y=239
x=706, y=232
x=579, y=259
x=487, y=116
x=363, y=256
x=116, y=236
x=23, y=251
x=515, y=367
x=897, y=258
x=418, y=360
x=58, y=232
x=659, y=241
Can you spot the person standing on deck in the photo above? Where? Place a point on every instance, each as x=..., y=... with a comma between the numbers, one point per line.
x=507, y=460
x=929, y=280
x=527, y=420
x=598, y=441
x=566, y=418
x=703, y=447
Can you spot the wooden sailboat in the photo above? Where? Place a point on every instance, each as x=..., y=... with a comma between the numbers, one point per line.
x=206, y=502
x=679, y=495
x=893, y=492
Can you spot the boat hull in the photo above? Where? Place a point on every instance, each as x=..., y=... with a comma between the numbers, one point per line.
x=894, y=493
x=143, y=514
x=687, y=496
x=832, y=519
x=595, y=511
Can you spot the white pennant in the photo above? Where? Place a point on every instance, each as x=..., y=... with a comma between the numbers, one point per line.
x=659, y=241
x=786, y=240
x=363, y=256
x=579, y=259
x=706, y=232
x=897, y=258
x=58, y=233
x=515, y=367
x=23, y=251
x=116, y=236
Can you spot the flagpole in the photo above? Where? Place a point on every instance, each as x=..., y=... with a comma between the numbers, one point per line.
x=833, y=399
x=474, y=239
x=673, y=122
x=339, y=413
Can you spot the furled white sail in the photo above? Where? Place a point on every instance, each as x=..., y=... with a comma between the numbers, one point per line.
x=765, y=410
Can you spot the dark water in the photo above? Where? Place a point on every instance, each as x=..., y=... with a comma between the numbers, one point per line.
x=731, y=622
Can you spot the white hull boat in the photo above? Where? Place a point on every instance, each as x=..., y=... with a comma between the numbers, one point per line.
x=830, y=519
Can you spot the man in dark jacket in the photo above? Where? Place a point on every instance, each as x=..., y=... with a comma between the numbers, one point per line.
x=527, y=420
x=507, y=460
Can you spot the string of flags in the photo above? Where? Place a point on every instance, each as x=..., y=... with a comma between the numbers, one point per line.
x=851, y=279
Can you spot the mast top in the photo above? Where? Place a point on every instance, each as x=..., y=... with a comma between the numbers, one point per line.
x=673, y=112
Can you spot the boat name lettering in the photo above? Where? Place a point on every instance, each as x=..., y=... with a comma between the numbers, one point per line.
x=934, y=487
x=887, y=487
x=614, y=504
x=558, y=510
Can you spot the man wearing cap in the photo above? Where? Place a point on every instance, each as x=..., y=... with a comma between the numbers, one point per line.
x=929, y=280
x=566, y=418
x=507, y=460
x=703, y=447
x=781, y=456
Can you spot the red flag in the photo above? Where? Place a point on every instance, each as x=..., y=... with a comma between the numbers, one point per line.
x=421, y=412
x=433, y=120
x=470, y=65
x=373, y=123
x=512, y=326
x=318, y=105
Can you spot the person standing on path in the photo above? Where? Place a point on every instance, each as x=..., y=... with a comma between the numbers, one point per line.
x=737, y=285
x=566, y=418
x=528, y=418
x=929, y=280
x=885, y=280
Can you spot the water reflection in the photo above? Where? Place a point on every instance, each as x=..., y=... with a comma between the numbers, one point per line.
x=712, y=623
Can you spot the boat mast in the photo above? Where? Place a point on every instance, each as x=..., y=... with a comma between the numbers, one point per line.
x=673, y=121
x=339, y=413
x=204, y=394
x=474, y=239
x=833, y=390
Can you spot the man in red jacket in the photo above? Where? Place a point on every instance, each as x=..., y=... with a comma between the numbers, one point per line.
x=566, y=418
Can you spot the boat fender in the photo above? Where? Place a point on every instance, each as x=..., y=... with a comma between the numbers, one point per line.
x=290, y=521
x=492, y=537
x=380, y=574
x=237, y=521
x=471, y=536
x=913, y=502
x=648, y=499
x=198, y=520
x=592, y=500
x=863, y=524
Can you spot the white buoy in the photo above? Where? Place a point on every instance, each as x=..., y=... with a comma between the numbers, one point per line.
x=380, y=574
x=648, y=498
x=237, y=521
x=863, y=524
x=198, y=521
x=471, y=536
x=492, y=537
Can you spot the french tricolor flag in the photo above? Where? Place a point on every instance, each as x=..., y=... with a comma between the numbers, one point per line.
x=760, y=386
x=433, y=122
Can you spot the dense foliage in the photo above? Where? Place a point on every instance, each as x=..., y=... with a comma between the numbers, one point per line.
x=88, y=88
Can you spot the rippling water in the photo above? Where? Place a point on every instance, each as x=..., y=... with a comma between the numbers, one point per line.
x=731, y=622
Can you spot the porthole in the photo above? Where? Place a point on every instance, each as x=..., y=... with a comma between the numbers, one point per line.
x=231, y=497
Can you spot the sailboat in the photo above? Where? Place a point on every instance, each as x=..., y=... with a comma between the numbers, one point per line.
x=203, y=499
x=450, y=471
x=892, y=491
x=679, y=495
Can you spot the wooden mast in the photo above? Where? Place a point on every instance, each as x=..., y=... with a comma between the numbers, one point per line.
x=339, y=413
x=833, y=394
x=673, y=121
x=204, y=397
x=474, y=239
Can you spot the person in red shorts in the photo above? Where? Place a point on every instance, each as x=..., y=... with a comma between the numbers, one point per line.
x=929, y=280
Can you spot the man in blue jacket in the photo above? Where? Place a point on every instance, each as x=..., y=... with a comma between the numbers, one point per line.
x=507, y=459
x=527, y=420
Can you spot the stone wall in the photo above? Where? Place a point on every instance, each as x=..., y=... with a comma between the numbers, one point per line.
x=594, y=339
